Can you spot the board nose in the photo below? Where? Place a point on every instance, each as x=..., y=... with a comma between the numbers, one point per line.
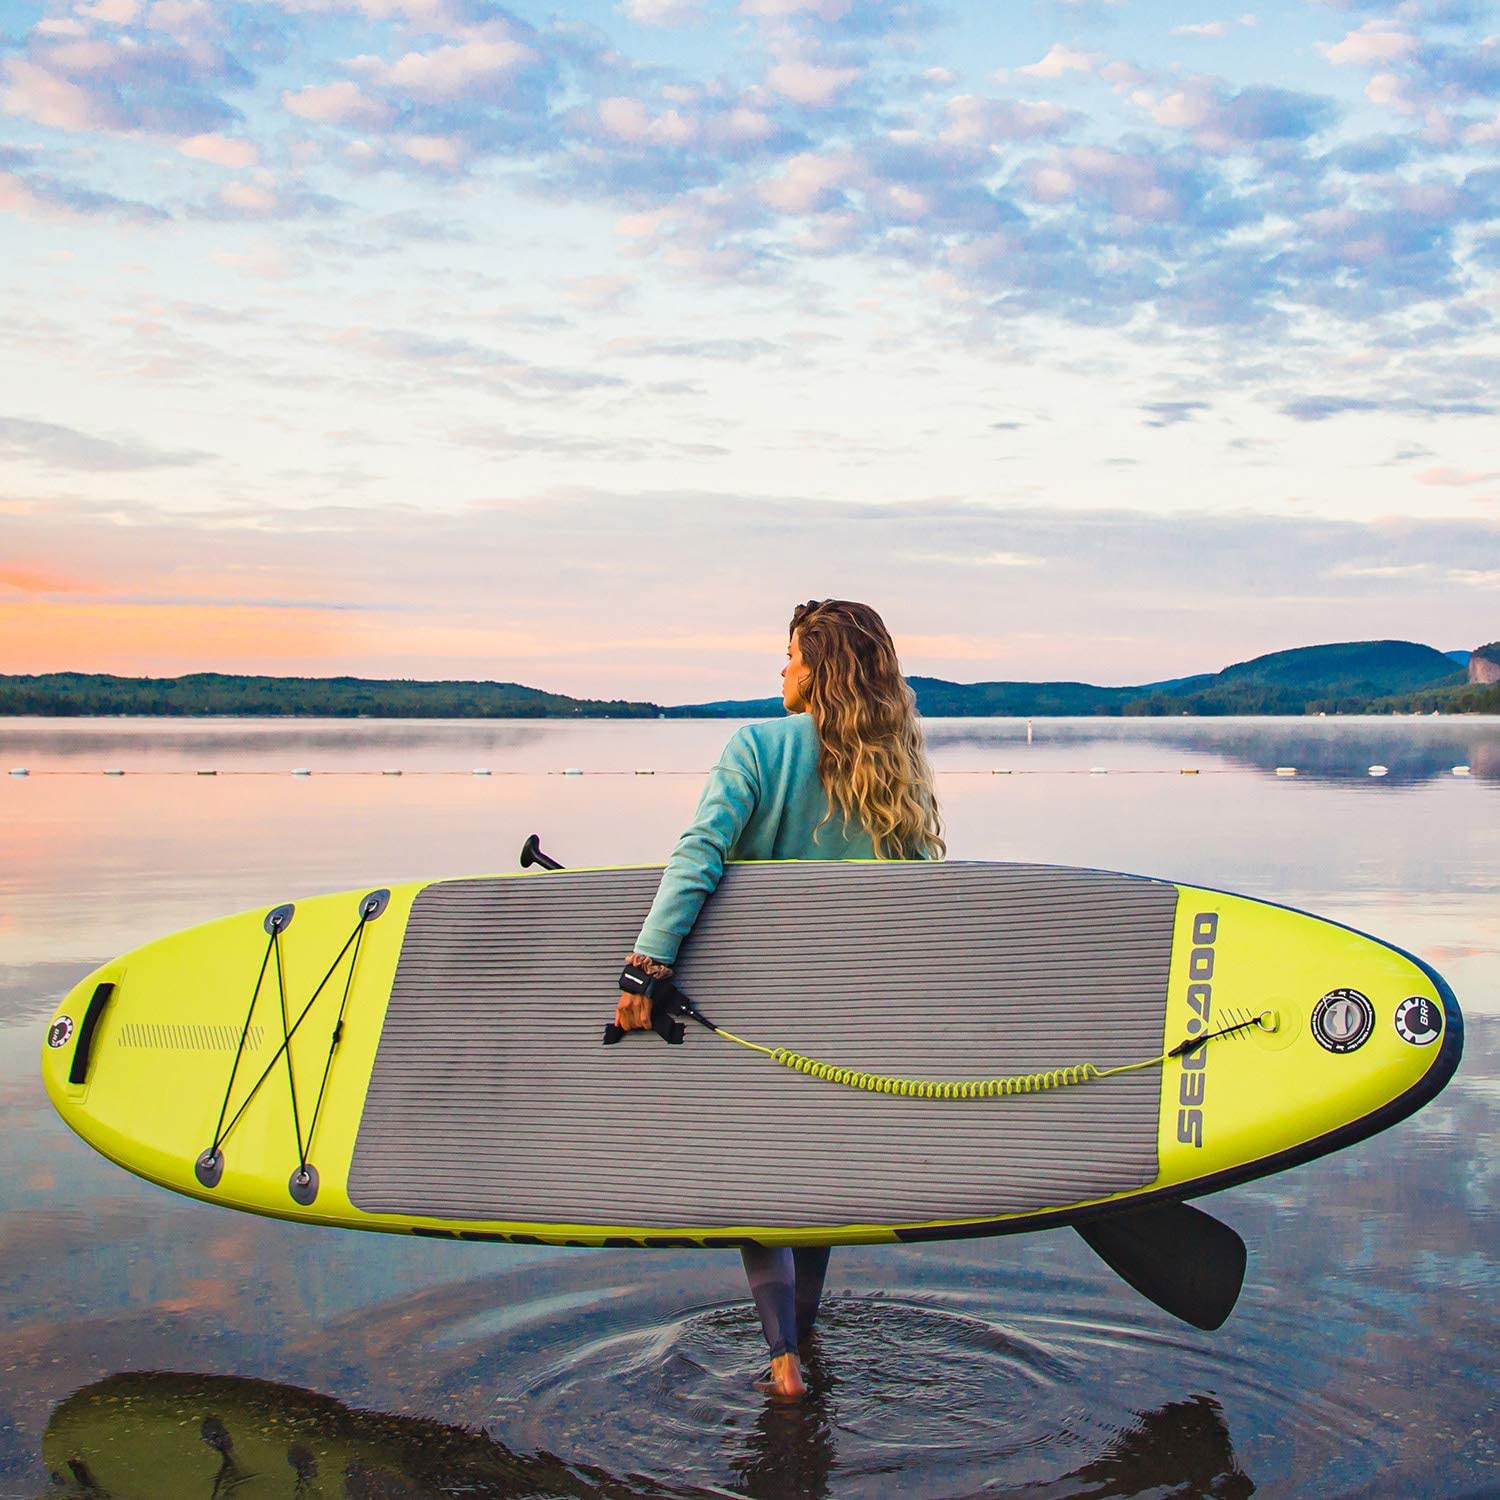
x=69, y=1050
x=1452, y=1045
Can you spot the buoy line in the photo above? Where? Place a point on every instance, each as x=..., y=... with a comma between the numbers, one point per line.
x=306, y=772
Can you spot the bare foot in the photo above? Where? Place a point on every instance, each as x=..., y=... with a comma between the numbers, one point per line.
x=786, y=1379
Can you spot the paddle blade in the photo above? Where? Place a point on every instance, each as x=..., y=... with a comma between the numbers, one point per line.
x=1185, y=1261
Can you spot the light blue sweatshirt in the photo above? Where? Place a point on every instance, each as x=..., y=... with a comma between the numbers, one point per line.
x=763, y=801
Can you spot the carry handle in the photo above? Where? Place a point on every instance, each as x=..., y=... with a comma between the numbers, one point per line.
x=79, y=1071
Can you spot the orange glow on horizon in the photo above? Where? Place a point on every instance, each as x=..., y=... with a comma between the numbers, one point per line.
x=39, y=635
x=167, y=639
x=35, y=581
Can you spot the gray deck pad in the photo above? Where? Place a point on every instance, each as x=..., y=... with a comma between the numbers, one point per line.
x=492, y=1097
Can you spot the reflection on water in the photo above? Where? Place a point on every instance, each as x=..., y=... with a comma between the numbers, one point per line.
x=1362, y=1358
x=154, y=744
x=142, y=1436
x=198, y=1437
x=1412, y=749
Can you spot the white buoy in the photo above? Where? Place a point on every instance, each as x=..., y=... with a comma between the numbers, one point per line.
x=1028, y=731
x=1286, y=770
x=1461, y=770
x=1378, y=770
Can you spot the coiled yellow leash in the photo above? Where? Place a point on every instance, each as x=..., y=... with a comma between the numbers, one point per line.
x=978, y=1088
x=668, y=1001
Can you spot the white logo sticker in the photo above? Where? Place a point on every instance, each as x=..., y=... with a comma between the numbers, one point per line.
x=1418, y=1020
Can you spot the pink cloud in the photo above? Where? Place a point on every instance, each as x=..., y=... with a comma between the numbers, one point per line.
x=342, y=103
x=1485, y=134
x=664, y=13
x=1063, y=59
x=806, y=183
x=741, y=125
x=1389, y=91
x=17, y=198
x=1374, y=42
x=253, y=198
x=1130, y=185
x=433, y=150
x=808, y=83
x=780, y=10
x=629, y=120
x=599, y=293
x=451, y=71
x=1184, y=109
x=85, y=55
x=35, y=94
x=221, y=150
x=1442, y=475
x=975, y=121
x=112, y=12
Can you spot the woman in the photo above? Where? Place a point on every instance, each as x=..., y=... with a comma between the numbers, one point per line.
x=843, y=777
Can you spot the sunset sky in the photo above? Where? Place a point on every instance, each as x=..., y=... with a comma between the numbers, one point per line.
x=573, y=344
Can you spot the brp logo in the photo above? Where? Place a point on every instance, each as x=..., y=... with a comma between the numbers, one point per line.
x=61, y=1031
x=1418, y=1020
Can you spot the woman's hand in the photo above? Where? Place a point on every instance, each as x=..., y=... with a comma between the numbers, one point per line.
x=633, y=1013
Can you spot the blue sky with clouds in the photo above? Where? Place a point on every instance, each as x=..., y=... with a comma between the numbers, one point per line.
x=573, y=344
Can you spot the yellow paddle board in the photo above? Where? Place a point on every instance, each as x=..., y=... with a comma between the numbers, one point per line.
x=426, y=1058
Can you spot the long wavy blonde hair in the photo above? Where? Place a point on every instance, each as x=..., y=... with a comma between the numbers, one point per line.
x=872, y=763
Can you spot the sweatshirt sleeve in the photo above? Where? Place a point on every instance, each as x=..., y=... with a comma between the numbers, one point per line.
x=697, y=862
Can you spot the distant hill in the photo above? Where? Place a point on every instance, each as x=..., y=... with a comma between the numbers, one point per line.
x=1350, y=667
x=203, y=693
x=729, y=708
x=1346, y=677
x=1339, y=678
x=940, y=699
x=1001, y=699
x=1477, y=690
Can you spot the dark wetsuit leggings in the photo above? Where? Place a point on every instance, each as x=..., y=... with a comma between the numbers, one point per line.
x=787, y=1286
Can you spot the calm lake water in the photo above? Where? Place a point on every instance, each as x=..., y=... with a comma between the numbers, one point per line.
x=1363, y=1359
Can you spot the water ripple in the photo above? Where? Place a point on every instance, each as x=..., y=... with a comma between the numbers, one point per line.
x=920, y=1389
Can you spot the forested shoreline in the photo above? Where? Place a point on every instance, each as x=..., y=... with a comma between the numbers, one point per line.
x=1366, y=677
x=203, y=694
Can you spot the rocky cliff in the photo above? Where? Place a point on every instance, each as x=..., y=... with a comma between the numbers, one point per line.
x=1484, y=664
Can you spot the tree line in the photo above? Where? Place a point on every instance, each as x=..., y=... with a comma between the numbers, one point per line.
x=207, y=693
